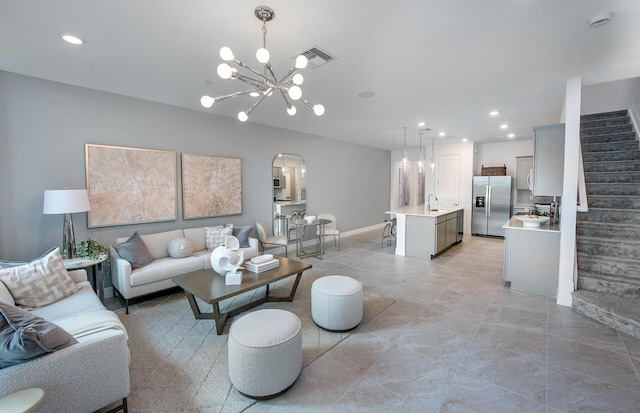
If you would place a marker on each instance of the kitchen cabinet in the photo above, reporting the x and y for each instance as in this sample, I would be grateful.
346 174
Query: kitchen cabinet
277 172
548 160
524 170
532 257
446 231
422 233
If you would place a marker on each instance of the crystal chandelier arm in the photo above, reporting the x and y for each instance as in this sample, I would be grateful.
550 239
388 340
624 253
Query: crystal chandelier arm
244 65
257 83
290 73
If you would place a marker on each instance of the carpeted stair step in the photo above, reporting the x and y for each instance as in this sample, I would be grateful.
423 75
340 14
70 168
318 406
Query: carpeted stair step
612 177
614 201
612 166
608 230
604 115
621 313
607 137
606 130
610 284
621 267
610 156
608 247
628 145
619 216
608 121
626 189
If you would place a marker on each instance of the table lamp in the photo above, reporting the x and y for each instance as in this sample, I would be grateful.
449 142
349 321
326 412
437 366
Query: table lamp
66 201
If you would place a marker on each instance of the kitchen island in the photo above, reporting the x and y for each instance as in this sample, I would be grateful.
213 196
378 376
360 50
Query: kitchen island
425 233
531 257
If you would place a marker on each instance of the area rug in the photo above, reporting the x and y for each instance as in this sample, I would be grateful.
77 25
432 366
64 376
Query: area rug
179 364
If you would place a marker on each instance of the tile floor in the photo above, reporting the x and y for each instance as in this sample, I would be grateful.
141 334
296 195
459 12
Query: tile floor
459 340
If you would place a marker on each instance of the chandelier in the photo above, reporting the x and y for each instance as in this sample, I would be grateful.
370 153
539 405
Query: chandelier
263 85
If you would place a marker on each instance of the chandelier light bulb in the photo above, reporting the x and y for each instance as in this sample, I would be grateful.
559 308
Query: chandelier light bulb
207 101
224 70
318 110
301 62
242 116
295 92
226 54
254 94
298 79
291 110
263 55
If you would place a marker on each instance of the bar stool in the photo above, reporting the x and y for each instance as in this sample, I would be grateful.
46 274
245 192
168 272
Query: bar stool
389 232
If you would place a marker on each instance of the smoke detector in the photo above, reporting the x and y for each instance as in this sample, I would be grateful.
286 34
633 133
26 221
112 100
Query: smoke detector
600 19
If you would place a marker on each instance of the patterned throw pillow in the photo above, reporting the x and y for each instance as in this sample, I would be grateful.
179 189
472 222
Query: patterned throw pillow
215 236
41 282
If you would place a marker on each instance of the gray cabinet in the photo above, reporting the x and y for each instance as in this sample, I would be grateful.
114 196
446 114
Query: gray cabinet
446 231
524 170
548 160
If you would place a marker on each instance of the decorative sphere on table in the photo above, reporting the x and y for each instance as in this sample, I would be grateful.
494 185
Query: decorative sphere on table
180 248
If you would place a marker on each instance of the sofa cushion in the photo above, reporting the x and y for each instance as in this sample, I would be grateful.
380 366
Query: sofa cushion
242 233
165 268
196 236
215 236
24 336
83 301
135 251
158 243
41 282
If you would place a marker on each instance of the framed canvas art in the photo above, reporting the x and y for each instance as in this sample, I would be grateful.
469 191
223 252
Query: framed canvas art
130 185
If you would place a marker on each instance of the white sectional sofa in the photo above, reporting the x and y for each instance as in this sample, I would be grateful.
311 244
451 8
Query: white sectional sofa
156 276
85 376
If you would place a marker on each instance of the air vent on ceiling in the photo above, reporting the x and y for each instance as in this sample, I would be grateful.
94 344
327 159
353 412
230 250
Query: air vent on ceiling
317 57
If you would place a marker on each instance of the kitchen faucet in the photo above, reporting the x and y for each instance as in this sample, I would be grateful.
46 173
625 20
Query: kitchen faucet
429 200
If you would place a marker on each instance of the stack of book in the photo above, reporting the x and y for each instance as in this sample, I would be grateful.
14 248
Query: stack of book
263 266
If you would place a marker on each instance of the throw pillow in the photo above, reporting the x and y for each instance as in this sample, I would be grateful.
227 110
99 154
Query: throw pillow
135 251
9 264
180 248
24 336
242 233
215 236
41 282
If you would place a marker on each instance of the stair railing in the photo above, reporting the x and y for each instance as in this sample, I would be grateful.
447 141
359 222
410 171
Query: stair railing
635 120
583 205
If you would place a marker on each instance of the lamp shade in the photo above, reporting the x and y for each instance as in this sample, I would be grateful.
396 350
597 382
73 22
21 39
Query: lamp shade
65 201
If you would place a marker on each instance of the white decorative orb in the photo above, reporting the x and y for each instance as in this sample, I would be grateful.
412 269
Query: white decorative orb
226 54
295 92
242 116
263 55
301 62
224 70
298 79
318 110
292 110
207 101
180 248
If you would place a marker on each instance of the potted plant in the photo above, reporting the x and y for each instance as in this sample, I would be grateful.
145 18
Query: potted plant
90 249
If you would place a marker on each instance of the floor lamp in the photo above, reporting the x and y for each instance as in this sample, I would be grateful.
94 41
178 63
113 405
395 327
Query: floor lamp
67 202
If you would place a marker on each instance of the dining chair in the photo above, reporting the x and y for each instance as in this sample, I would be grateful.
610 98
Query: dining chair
276 240
330 229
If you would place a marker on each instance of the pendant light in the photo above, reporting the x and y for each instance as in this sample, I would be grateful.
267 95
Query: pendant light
433 149
420 163
404 158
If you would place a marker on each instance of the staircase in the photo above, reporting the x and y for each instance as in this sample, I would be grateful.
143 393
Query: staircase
608 235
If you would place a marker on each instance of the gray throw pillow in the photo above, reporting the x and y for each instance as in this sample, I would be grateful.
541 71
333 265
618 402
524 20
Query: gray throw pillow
24 336
242 233
135 251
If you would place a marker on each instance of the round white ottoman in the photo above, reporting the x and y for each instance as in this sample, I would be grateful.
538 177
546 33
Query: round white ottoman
265 353
336 302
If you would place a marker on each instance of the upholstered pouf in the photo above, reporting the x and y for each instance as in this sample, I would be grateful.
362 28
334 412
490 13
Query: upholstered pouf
336 302
265 353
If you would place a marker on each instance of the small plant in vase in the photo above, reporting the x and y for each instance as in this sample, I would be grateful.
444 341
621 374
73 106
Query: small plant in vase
90 249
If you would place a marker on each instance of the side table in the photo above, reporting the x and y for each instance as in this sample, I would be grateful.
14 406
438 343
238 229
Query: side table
24 401
95 271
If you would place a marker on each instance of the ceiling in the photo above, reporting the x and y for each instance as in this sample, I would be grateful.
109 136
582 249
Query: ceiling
447 63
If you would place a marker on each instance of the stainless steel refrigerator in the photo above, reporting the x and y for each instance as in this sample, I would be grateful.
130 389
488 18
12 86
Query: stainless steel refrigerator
491 205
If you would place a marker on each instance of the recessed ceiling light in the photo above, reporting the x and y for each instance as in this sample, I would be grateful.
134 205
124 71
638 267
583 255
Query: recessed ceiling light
362 130
366 94
494 113
441 134
72 39
504 126
421 124
511 135
465 140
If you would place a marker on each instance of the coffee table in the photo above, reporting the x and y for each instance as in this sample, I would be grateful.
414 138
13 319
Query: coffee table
210 287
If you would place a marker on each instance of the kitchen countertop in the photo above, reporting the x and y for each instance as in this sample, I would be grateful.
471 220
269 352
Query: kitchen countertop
303 202
422 211
513 223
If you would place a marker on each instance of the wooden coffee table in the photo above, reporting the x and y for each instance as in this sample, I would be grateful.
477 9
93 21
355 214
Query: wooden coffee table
210 287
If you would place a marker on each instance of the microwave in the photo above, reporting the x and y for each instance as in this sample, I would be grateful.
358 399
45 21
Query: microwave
276 183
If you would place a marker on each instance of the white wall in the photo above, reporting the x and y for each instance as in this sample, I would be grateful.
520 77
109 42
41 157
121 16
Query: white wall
610 96
502 153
